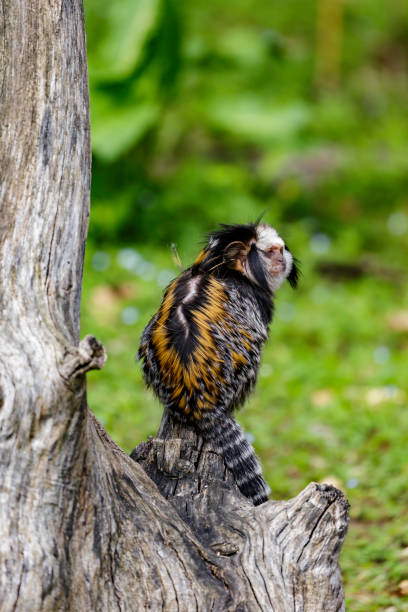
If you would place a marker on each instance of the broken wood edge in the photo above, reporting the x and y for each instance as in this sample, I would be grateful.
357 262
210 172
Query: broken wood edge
76 361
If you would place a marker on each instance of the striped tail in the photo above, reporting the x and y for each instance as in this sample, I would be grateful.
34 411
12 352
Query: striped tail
227 438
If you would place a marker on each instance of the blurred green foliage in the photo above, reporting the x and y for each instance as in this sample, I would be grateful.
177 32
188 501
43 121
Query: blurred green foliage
207 112
211 112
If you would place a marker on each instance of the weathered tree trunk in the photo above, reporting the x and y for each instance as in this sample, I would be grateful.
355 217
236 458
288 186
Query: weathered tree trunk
82 525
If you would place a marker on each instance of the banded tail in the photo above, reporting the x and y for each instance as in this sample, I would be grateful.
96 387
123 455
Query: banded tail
227 439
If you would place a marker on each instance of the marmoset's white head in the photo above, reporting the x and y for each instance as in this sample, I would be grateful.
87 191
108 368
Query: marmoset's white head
255 250
276 258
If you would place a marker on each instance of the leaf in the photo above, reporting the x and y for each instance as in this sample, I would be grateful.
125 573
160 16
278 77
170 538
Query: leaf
243 45
117 32
115 132
251 118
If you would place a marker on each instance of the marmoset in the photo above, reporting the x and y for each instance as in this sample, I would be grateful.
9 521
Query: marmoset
201 351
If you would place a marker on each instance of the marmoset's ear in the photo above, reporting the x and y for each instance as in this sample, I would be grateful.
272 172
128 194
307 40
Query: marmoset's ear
235 254
293 276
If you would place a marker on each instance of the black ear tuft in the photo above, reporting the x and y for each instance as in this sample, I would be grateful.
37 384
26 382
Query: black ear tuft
232 233
293 277
257 269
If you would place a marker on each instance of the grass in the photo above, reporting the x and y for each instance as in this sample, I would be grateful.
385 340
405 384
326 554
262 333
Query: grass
330 403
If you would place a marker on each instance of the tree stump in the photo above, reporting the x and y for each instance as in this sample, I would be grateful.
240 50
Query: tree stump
281 556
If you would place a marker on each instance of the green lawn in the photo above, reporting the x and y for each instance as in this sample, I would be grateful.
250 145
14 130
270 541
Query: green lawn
331 399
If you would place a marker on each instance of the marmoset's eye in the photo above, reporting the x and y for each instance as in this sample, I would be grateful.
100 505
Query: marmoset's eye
275 249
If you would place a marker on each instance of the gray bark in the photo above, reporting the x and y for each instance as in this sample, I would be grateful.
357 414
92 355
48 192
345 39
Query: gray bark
82 525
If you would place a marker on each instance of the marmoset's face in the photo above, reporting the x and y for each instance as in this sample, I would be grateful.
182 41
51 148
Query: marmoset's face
276 259
255 250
